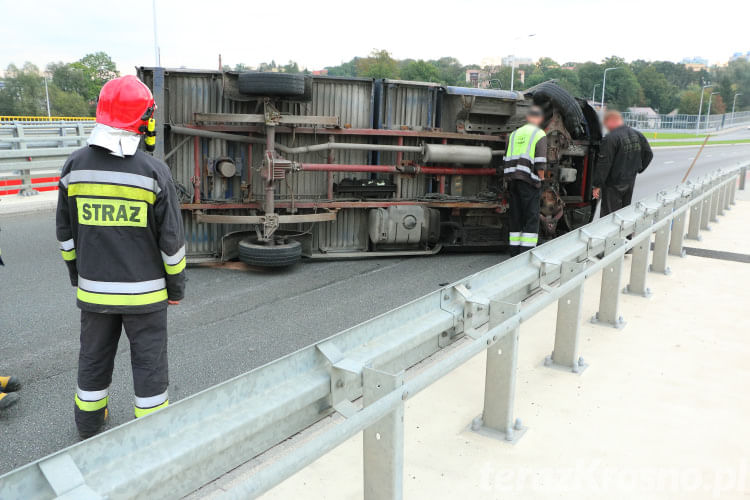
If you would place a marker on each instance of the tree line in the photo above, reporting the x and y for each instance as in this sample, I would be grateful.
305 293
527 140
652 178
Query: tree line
73 87
662 85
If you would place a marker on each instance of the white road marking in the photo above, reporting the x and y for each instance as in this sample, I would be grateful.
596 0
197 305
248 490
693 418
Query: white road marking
668 162
709 156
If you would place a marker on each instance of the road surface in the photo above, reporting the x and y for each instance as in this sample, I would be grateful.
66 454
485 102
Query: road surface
231 321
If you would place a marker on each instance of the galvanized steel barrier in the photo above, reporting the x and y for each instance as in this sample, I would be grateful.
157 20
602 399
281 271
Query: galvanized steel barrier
28 147
357 380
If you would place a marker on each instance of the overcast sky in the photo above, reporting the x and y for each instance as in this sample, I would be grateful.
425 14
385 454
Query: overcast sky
320 33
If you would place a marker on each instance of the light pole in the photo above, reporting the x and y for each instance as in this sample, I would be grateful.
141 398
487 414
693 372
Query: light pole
734 103
46 92
604 86
593 94
700 109
157 56
708 114
513 60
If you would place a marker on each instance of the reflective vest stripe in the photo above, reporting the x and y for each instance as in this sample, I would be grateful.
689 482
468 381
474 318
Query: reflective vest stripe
174 264
106 299
122 287
151 401
112 191
522 168
68 254
540 159
111 177
67 244
142 412
91 405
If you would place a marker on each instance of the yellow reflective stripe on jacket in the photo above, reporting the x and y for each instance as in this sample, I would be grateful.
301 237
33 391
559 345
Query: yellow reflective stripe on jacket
140 412
68 254
91 405
112 191
177 268
107 299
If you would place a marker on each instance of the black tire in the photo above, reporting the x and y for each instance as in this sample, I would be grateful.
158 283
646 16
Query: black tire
548 94
271 84
284 253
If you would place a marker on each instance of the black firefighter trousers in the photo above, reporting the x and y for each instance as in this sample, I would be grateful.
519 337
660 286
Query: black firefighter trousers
100 335
524 215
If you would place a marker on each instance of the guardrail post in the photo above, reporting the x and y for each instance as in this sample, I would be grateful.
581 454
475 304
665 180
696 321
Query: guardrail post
715 205
639 264
678 232
567 332
706 213
383 442
661 244
500 380
743 177
722 198
694 226
728 195
609 298
81 134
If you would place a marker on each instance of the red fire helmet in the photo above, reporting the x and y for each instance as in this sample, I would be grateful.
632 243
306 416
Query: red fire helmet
125 103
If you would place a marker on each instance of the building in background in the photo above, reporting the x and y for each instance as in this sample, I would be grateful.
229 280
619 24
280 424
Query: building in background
695 63
739 55
520 61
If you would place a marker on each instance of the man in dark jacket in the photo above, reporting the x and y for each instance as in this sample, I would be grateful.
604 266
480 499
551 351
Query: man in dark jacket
120 233
624 153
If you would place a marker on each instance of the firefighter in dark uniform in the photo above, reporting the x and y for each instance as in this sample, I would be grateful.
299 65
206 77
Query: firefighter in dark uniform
120 233
524 165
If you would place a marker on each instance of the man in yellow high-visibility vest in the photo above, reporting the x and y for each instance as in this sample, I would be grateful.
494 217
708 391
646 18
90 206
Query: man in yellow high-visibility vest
525 163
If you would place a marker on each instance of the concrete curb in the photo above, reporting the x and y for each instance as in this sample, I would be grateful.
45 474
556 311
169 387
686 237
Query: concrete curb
14 204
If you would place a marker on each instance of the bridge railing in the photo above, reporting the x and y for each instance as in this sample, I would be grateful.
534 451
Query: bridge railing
358 380
29 150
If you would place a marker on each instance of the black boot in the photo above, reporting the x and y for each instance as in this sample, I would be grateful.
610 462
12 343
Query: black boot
7 400
90 423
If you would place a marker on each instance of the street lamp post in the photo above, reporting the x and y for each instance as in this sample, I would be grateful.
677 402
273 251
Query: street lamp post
700 109
593 94
46 92
708 114
734 103
157 56
604 86
513 61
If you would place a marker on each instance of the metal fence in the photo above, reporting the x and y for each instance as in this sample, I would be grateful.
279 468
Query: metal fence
36 119
686 123
357 380
40 147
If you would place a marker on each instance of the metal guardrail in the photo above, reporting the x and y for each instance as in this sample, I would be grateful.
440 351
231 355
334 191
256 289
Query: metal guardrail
366 373
686 123
31 146
34 119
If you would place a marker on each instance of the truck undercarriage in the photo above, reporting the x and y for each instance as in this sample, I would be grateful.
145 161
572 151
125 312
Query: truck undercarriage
283 166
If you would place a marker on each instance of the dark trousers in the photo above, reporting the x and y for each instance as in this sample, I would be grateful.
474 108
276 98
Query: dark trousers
147 333
615 197
524 215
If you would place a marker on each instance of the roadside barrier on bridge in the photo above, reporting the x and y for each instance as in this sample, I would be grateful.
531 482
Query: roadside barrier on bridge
358 380
34 119
30 151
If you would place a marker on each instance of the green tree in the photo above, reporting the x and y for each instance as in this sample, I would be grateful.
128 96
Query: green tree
24 91
69 78
98 68
690 100
622 87
659 93
421 71
64 103
451 71
379 64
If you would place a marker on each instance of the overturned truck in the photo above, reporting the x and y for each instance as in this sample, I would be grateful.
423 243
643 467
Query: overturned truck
272 167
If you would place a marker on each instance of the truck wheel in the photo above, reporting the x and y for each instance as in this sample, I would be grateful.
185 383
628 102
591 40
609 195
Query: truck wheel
271 84
284 253
547 93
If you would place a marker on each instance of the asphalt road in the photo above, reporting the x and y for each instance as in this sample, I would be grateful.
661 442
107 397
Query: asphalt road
230 322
